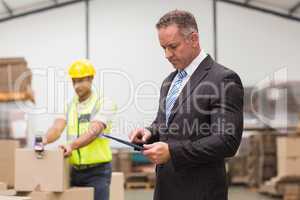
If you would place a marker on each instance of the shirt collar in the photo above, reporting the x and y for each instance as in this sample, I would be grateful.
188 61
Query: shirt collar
195 63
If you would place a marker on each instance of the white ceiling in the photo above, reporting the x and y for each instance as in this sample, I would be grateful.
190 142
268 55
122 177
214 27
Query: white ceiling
282 6
21 6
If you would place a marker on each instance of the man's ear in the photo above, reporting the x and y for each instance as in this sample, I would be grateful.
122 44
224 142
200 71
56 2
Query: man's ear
195 39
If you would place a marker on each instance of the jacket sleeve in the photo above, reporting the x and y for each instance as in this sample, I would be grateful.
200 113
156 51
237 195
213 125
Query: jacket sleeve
154 132
156 127
226 126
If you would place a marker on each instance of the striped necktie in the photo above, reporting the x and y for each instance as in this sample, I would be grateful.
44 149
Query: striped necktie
173 93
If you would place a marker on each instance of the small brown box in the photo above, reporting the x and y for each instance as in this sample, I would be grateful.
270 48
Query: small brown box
49 173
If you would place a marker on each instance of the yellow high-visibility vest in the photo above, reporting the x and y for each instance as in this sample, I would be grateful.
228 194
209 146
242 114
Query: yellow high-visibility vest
98 151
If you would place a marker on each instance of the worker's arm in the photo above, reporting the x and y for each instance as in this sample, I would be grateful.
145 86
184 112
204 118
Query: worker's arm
92 133
98 123
54 131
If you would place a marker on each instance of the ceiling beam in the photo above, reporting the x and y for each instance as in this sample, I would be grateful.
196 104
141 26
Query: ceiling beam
7 7
294 8
59 5
263 10
87 28
215 29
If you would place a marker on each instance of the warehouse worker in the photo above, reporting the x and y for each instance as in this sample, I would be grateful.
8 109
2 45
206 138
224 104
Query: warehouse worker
87 116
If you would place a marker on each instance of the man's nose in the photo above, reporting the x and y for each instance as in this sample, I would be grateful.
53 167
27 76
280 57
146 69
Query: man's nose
168 53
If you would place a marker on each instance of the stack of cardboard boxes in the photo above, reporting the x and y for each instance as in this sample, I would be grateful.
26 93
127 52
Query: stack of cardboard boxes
14 198
47 173
7 171
288 156
288 168
7 161
15 80
292 192
15 90
46 177
4 191
256 161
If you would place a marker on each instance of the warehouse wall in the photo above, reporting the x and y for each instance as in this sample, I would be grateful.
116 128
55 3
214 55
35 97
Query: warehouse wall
125 49
124 39
49 41
256 44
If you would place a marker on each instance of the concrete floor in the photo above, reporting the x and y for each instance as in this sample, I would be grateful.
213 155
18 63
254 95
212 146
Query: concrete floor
235 193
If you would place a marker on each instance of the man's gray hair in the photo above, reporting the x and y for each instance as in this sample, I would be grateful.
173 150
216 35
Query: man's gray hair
183 19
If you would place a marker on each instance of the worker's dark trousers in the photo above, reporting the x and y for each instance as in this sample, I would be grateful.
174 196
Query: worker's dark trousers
97 177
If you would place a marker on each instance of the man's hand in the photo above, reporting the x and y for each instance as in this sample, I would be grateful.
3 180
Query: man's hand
157 152
67 149
139 136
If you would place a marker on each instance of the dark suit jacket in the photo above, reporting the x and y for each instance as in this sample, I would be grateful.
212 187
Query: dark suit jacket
205 126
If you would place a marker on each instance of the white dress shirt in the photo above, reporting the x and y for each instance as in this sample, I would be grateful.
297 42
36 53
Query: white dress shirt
189 70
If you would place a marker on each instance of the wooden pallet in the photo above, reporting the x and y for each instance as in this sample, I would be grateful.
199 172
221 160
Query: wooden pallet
139 180
281 186
138 185
239 180
292 192
291 197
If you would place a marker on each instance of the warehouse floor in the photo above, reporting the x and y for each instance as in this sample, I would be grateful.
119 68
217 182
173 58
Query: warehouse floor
235 193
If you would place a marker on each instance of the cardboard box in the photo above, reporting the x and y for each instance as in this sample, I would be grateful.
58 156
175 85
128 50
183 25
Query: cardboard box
14 198
117 186
43 196
50 173
10 192
3 186
288 156
15 76
288 166
76 193
288 146
7 161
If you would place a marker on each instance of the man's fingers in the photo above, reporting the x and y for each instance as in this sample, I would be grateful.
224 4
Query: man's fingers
148 152
145 138
132 135
148 146
136 136
136 140
151 156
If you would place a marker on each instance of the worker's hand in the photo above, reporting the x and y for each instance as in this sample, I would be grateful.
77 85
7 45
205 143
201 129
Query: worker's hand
157 152
67 149
38 144
139 136
44 141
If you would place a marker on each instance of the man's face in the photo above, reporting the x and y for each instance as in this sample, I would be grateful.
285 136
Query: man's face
82 86
179 49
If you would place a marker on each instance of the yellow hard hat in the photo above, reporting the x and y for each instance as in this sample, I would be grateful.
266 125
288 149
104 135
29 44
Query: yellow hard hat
81 68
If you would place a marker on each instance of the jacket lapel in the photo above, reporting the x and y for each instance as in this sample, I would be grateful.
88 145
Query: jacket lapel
199 74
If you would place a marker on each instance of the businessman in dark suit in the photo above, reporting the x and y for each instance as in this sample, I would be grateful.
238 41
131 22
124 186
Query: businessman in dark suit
200 117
